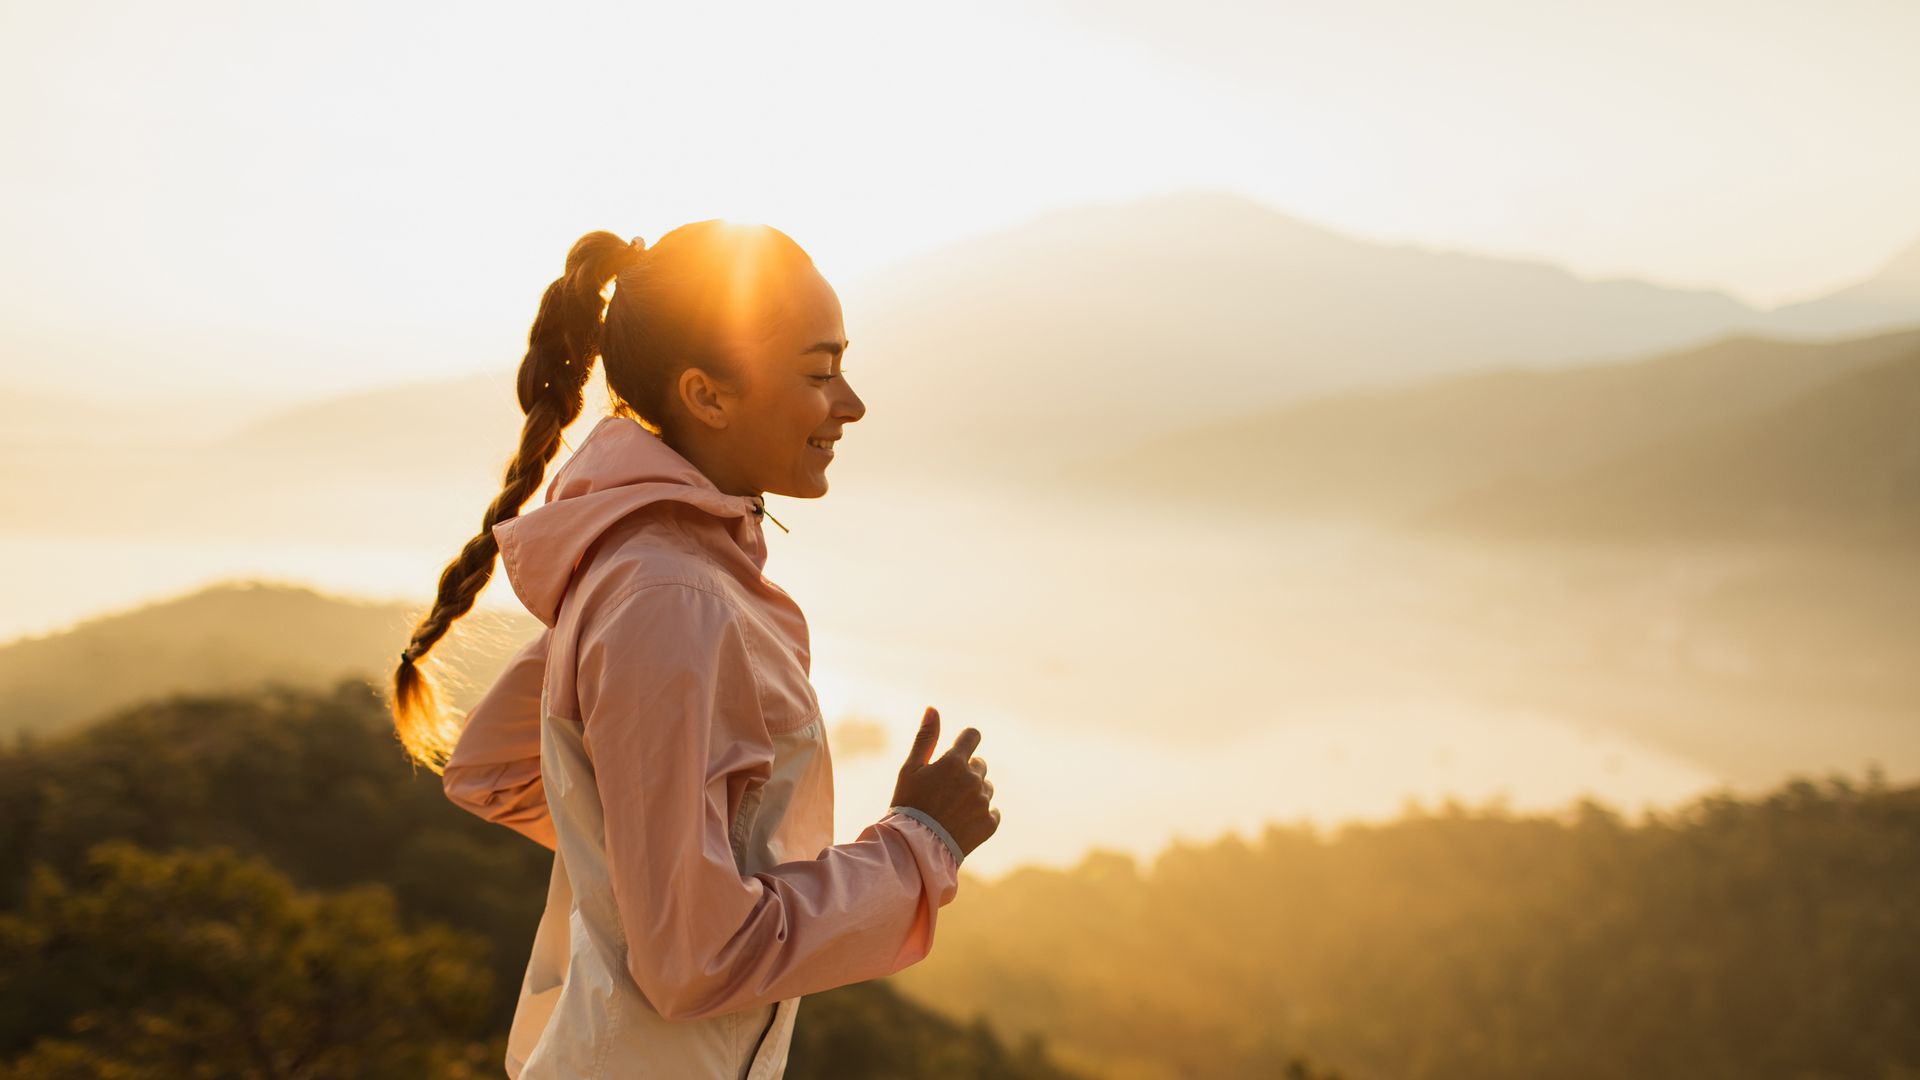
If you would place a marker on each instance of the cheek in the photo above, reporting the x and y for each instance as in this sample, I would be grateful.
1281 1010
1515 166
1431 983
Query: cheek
809 413
798 420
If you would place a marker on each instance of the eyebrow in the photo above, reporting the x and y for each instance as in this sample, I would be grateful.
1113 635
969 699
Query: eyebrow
831 348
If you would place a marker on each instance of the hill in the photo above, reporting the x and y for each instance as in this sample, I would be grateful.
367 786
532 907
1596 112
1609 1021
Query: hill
1770 935
228 638
1010 356
308 790
416 430
1388 455
982 360
1888 297
1839 463
1096 324
1760 935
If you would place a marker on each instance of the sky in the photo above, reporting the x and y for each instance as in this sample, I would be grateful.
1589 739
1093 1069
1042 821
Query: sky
213 197
211 201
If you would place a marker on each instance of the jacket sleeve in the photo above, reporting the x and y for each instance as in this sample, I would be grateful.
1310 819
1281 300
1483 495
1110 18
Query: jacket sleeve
673 725
494 770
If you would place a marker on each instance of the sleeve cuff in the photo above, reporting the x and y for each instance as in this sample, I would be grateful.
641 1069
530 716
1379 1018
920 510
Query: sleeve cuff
926 819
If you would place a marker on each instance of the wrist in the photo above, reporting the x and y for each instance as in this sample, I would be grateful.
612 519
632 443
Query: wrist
939 830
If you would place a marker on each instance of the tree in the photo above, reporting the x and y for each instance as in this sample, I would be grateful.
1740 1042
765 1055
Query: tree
210 964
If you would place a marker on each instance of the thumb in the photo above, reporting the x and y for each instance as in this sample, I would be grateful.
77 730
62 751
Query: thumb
926 738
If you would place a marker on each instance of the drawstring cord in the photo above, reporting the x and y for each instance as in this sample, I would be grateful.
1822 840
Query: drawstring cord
759 508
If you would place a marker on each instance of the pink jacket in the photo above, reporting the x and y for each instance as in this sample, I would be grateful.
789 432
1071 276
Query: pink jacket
662 736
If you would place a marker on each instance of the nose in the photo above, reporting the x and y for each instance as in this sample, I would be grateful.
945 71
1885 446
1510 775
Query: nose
850 407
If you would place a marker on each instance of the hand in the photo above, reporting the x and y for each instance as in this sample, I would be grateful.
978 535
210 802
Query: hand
953 788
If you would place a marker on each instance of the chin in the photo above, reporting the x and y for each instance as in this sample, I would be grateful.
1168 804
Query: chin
802 490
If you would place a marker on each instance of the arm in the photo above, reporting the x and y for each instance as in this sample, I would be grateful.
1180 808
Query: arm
494 770
673 724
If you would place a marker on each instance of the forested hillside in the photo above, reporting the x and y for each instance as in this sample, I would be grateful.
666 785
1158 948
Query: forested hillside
1738 938
233 637
260 885
1774 936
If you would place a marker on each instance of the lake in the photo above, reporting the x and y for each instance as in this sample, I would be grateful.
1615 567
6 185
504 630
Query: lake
1147 676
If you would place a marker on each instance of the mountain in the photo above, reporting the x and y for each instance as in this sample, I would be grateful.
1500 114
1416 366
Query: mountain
422 428
1386 454
1840 462
382 467
1097 325
1887 298
234 637
33 417
995 358
1001 359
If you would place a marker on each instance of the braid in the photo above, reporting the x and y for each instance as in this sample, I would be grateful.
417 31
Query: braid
561 348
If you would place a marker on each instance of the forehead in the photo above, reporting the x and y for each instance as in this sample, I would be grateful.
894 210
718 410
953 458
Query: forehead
810 311
791 318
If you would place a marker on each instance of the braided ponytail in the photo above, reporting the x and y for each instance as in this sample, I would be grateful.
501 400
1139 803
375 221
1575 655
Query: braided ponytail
561 347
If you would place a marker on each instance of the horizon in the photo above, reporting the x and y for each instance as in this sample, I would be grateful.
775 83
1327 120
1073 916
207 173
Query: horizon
321 187
268 402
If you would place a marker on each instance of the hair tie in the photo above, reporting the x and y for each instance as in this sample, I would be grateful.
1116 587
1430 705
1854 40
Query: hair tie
406 655
636 247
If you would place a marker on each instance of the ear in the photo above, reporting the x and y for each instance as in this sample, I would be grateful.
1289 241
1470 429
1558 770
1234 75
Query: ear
704 399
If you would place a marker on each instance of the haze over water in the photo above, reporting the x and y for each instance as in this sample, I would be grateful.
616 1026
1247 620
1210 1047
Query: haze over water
1138 676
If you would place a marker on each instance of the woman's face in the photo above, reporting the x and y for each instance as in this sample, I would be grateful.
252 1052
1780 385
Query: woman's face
795 394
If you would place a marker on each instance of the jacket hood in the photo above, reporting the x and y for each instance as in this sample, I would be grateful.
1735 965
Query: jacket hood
620 469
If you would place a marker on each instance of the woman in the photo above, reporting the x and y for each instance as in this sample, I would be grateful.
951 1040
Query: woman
660 733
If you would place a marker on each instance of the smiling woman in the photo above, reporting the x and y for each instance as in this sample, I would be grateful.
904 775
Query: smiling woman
766 423
661 734
714 341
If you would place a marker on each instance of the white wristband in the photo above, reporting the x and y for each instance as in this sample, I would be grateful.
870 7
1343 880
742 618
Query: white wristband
926 819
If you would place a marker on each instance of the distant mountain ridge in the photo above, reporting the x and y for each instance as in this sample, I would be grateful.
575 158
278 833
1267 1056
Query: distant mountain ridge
1886 298
1507 438
1841 462
1069 338
234 637
1098 326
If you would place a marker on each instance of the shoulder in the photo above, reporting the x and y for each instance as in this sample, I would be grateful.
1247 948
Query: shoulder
632 565
672 647
662 627
683 607
651 547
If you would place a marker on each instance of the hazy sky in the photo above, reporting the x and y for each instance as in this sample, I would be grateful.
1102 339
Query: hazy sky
223 195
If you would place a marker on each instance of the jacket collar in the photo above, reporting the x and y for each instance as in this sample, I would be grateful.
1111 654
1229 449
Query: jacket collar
620 469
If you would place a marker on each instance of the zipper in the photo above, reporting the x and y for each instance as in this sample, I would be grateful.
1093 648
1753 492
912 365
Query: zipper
762 1040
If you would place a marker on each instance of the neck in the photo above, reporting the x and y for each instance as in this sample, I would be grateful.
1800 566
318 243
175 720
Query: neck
714 469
